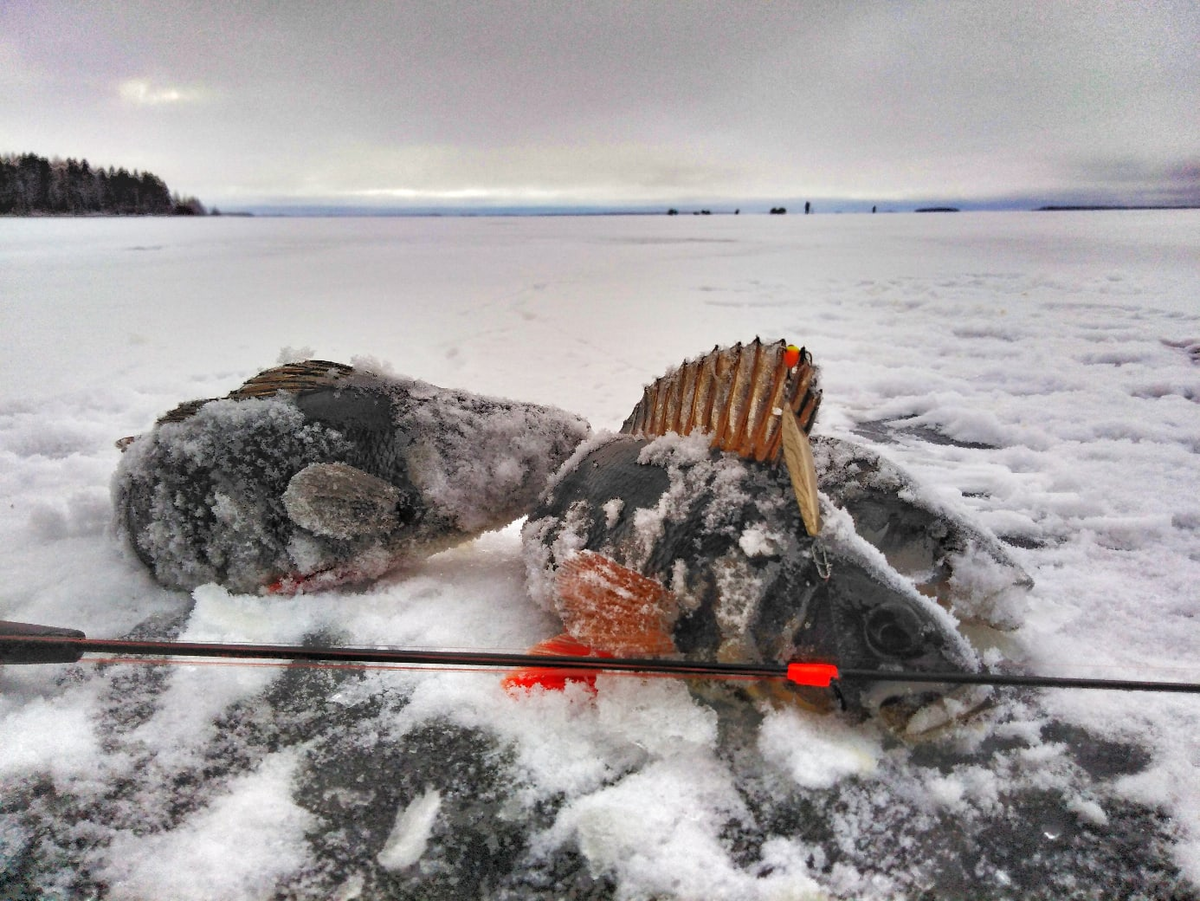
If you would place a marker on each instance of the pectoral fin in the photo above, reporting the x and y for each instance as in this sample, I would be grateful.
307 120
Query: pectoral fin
340 501
613 609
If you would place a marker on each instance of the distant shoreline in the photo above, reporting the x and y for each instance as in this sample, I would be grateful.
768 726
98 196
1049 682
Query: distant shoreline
318 212
1093 209
32 185
301 212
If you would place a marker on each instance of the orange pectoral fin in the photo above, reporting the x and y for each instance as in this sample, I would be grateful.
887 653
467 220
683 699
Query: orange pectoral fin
610 607
548 677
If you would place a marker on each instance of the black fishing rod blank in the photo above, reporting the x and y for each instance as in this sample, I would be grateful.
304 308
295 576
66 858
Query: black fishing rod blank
1004 679
23 643
27 643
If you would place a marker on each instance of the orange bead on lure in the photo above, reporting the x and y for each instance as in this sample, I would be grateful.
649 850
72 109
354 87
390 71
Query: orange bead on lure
791 355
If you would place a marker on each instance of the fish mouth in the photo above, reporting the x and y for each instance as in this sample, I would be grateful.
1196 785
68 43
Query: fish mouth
916 716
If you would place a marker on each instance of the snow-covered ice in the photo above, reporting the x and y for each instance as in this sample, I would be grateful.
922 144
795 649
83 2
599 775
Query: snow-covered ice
1036 370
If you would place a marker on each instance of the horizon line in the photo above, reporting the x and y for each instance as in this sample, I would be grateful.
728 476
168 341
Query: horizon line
320 209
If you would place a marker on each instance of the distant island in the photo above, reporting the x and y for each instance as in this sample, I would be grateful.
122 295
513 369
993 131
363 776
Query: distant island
32 185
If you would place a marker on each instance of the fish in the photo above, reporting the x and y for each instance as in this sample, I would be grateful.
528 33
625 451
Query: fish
316 474
948 556
689 534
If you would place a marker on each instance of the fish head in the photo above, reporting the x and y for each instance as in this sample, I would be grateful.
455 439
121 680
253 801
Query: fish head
844 604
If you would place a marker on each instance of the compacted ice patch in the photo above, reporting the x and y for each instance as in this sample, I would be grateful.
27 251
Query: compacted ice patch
410 836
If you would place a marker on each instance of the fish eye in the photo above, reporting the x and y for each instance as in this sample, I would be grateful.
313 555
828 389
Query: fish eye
893 631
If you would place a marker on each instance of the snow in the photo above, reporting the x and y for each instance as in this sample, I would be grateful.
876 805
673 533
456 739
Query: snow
1036 371
816 752
410 835
244 841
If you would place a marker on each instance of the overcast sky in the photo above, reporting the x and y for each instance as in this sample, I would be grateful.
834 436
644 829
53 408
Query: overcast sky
615 103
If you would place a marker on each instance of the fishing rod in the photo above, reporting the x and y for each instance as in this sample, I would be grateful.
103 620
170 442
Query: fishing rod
25 643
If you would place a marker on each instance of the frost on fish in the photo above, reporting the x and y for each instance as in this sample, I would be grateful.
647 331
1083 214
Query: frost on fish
723 538
949 558
710 496
313 474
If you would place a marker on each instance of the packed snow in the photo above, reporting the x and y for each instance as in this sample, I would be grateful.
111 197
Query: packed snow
1036 371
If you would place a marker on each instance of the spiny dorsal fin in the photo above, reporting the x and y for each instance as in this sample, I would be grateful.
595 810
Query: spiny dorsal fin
185 410
736 394
303 376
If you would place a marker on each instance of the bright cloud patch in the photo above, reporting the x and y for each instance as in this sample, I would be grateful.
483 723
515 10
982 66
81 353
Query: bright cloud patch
139 92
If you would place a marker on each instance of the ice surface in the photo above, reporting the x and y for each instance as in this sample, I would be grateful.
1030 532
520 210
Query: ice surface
1035 370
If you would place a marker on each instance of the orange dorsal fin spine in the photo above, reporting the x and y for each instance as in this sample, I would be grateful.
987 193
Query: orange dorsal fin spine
736 394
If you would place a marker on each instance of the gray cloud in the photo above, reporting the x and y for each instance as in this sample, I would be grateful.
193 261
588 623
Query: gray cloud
1138 181
586 101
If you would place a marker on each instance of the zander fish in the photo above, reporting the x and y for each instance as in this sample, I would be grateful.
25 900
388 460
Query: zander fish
314 474
683 536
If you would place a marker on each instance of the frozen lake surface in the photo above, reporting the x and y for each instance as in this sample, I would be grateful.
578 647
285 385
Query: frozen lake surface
1040 371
